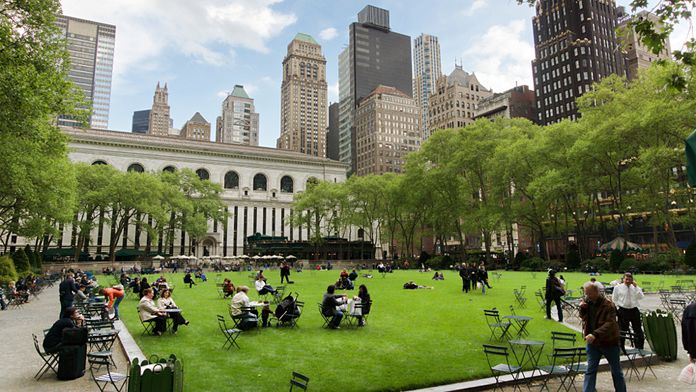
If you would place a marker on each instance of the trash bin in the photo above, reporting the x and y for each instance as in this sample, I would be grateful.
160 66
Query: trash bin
156 375
661 334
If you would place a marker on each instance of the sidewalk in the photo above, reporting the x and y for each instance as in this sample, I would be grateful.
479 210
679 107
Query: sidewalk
667 372
20 362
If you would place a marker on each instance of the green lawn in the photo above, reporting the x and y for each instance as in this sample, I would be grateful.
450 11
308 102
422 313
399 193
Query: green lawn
414 338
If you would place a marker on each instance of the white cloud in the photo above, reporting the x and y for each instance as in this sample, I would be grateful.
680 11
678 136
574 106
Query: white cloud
502 56
475 6
222 94
333 92
205 30
328 34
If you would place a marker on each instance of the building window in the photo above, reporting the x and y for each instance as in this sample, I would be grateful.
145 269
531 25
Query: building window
169 169
231 180
100 162
203 174
136 167
286 184
260 182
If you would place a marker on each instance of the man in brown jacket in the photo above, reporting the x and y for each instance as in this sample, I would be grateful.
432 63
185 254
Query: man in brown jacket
601 331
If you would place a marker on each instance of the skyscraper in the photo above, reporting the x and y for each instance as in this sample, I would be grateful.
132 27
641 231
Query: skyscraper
303 106
91 49
637 56
427 69
239 122
345 107
140 123
375 56
381 145
332 132
575 46
454 102
158 122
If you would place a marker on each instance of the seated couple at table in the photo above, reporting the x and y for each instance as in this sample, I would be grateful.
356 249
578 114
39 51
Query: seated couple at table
158 314
333 305
243 310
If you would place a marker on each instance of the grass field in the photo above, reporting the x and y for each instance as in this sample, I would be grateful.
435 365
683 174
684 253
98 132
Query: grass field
414 338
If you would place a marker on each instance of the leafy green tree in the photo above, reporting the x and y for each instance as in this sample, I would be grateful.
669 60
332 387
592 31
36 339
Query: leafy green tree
21 262
7 270
37 184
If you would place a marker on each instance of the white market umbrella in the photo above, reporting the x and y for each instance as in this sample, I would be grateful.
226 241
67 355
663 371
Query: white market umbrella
290 257
158 257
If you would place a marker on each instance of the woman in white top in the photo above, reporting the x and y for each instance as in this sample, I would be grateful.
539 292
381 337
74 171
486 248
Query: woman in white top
166 302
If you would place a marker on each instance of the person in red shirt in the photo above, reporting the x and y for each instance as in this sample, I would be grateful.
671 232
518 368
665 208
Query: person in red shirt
115 296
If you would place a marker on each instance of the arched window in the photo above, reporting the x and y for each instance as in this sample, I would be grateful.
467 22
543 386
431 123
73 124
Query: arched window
260 182
286 184
99 162
203 174
231 180
136 167
169 169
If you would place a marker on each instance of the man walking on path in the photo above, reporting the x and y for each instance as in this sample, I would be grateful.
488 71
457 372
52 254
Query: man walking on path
601 333
66 292
626 296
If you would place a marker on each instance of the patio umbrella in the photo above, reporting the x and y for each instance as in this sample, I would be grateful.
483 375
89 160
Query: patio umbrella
243 257
290 257
255 257
619 243
158 257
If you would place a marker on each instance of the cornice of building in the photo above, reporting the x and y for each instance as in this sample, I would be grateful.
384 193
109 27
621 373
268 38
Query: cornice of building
187 146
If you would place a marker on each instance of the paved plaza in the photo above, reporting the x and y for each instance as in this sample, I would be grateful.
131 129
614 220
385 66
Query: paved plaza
20 361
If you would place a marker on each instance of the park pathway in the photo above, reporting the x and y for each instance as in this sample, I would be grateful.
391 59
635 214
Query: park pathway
20 361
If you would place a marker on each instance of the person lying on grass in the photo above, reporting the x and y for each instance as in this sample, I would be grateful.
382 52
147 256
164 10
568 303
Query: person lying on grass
410 285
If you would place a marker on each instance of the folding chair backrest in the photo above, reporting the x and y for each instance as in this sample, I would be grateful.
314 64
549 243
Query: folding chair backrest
561 355
512 310
36 344
627 335
492 315
563 337
299 380
495 351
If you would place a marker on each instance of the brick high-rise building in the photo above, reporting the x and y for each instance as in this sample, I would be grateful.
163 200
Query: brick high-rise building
517 102
454 102
197 128
239 122
91 49
375 56
575 45
304 100
427 69
637 56
158 123
386 129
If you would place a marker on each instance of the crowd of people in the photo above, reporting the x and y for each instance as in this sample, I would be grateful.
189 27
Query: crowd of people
474 277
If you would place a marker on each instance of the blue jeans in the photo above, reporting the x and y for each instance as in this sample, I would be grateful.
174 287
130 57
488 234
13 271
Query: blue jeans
116 303
594 354
336 320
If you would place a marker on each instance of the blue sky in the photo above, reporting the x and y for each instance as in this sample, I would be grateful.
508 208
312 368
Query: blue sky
203 48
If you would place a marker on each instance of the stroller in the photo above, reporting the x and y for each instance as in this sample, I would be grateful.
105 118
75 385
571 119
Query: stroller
289 310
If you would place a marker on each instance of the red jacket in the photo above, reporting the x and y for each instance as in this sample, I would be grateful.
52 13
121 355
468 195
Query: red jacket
112 293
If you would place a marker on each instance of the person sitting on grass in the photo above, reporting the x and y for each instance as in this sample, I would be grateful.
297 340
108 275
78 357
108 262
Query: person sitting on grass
353 275
228 287
166 302
149 313
189 280
330 306
410 285
262 287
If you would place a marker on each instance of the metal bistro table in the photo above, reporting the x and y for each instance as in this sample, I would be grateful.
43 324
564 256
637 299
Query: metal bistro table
520 323
170 320
531 352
